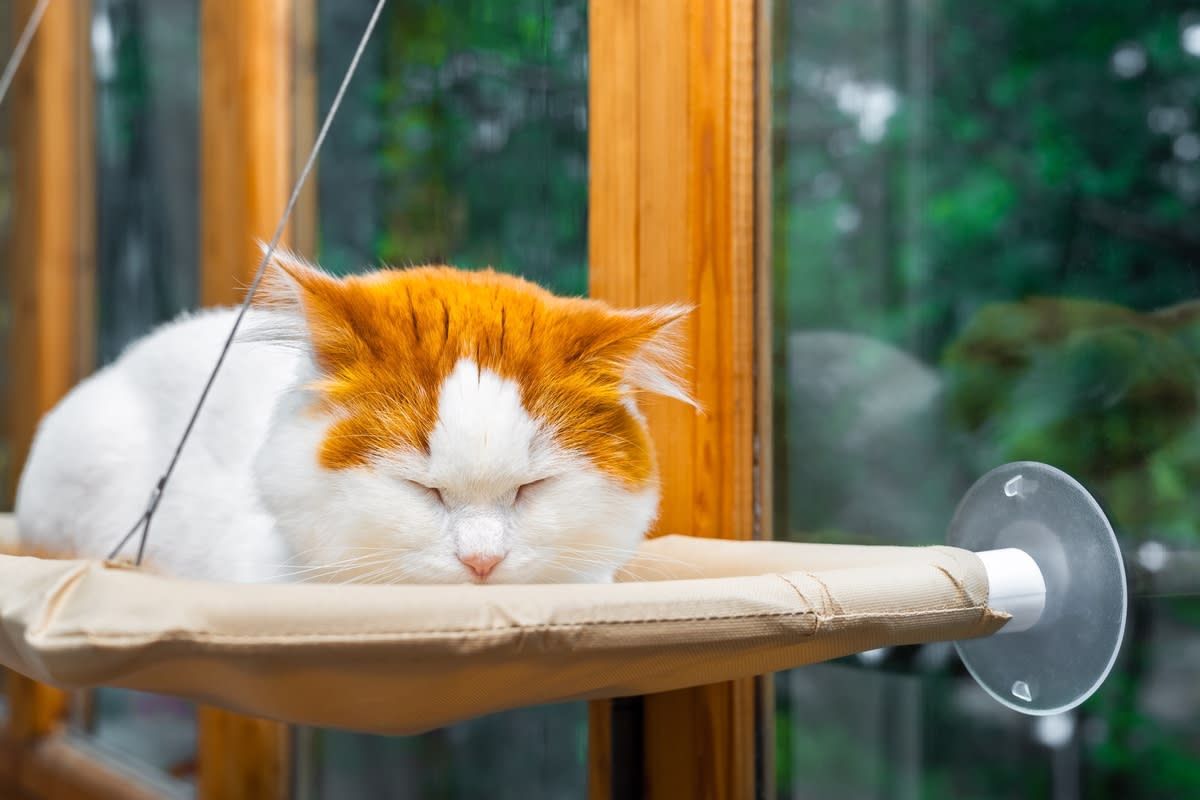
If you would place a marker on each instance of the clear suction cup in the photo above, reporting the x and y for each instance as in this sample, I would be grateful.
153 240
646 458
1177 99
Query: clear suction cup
1069 605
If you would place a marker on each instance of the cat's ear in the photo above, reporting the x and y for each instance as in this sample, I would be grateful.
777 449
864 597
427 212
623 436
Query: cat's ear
292 285
299 294
647 346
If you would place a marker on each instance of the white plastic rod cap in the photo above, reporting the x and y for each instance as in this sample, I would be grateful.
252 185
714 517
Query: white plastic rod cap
1015 586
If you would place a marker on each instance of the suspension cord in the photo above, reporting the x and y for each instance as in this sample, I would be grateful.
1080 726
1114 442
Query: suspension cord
143 522
22 45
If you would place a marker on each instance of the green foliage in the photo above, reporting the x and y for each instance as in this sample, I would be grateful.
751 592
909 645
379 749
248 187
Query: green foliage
1092 388
1004 191
481 150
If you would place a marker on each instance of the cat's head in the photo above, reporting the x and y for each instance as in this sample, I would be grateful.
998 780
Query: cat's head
460 426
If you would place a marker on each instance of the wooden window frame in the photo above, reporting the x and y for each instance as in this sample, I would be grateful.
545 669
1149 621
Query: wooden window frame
258 111
677 132
678 123
258 115
51 279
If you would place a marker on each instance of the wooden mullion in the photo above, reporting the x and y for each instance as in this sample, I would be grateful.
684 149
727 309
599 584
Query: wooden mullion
34 709
246 152
612 235
674 137
50 271
50 253
50 268
613 151
305 88
258 92
241 758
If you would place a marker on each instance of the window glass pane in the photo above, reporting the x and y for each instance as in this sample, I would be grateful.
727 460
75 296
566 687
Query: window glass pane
147 72
146 67
531 752
983 253
155 731
463 140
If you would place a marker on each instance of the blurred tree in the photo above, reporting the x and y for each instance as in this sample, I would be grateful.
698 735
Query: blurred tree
1004 191
477 143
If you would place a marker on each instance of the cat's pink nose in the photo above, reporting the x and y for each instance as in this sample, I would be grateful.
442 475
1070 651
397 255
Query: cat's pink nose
482 565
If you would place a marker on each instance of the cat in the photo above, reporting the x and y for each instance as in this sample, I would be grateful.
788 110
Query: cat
425 425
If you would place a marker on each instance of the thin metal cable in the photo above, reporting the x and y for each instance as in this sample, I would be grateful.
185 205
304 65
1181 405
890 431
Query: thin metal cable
18 53
156 496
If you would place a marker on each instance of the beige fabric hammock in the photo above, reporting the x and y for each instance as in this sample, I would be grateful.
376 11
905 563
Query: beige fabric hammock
404 659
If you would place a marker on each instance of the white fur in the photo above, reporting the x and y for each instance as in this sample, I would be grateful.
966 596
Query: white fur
249 501
97 455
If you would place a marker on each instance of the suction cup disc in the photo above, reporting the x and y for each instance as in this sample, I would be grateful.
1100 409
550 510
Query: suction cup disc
1065 656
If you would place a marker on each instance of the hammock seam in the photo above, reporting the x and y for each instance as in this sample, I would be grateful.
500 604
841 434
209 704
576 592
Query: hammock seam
66 641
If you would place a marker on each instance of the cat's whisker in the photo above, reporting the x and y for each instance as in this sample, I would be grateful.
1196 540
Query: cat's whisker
325 564
390 574
347 549
333 569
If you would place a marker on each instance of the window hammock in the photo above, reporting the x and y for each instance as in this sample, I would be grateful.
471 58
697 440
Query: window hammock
408 658
404 659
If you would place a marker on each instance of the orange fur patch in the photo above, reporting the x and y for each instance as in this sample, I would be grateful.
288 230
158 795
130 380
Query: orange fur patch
386 341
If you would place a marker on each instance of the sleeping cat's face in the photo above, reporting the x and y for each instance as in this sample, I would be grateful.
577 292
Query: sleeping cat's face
461 427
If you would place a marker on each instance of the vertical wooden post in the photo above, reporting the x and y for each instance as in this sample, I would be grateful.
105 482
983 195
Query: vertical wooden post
246 60
305 94
241 758
253 97
672 218
49 263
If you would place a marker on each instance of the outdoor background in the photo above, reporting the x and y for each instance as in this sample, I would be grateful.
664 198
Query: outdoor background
983 251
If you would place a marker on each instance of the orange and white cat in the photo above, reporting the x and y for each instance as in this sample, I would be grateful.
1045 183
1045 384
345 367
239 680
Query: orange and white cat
424 425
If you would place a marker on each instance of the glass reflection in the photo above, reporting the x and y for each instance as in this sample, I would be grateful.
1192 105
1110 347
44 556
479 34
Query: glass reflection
982 254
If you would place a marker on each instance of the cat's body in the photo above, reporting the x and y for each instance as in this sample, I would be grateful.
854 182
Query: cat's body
99 453
423 425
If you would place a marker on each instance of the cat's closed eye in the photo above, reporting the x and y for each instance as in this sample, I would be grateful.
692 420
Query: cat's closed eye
525 490
432 491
